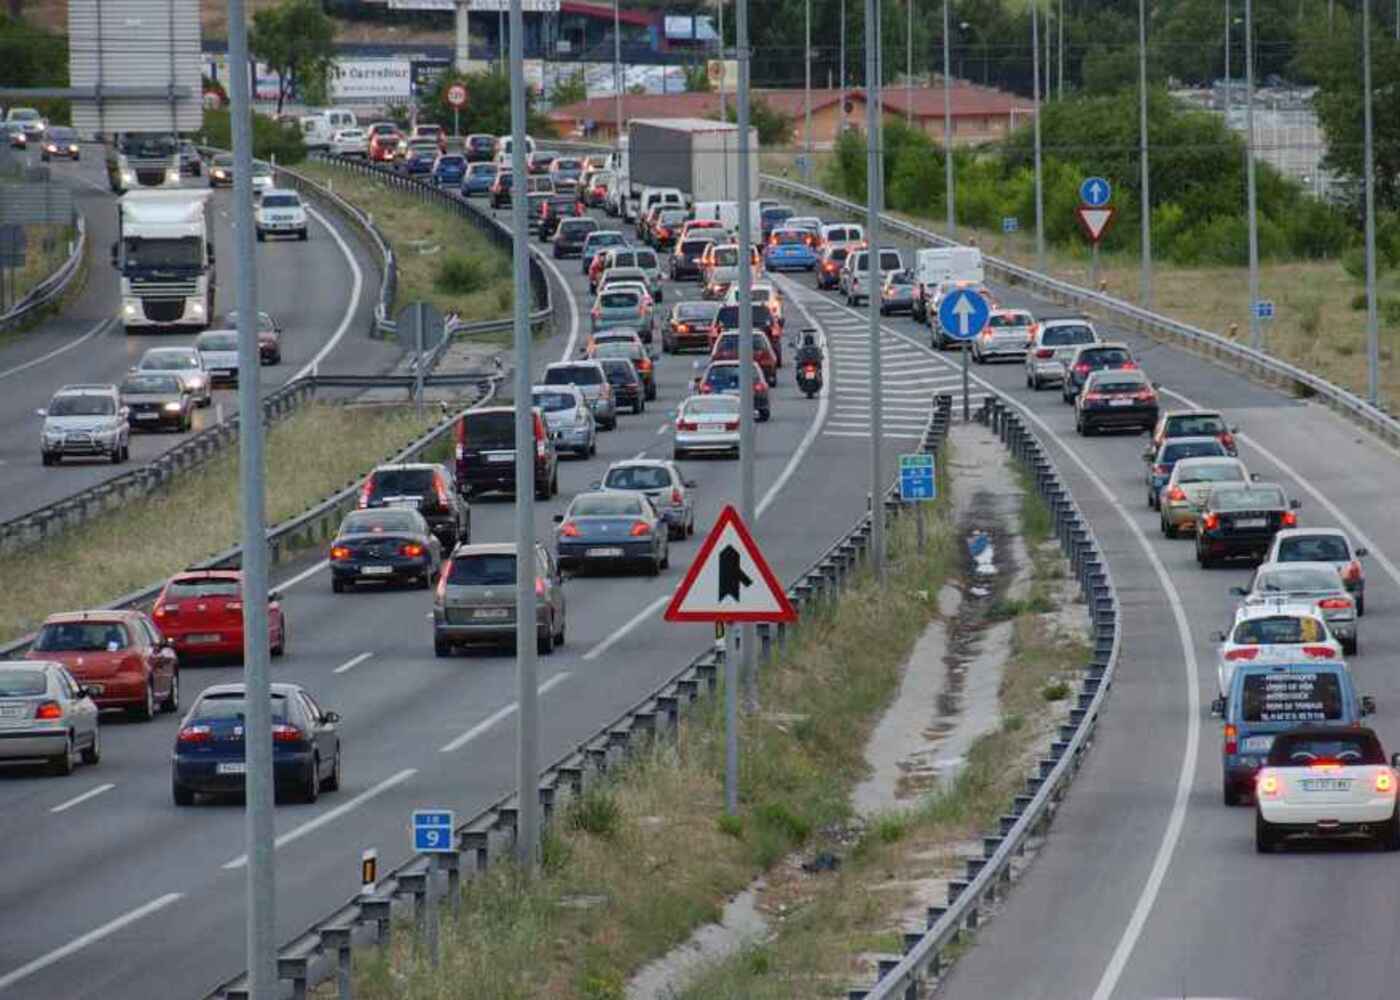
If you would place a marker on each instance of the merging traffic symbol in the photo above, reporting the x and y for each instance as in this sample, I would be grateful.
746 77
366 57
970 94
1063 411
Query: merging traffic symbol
730 581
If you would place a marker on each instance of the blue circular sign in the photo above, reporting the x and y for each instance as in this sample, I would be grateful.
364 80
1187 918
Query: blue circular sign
1095 192
963 314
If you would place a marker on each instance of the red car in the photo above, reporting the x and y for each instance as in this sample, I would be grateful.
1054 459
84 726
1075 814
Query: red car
202 613
384 144
121 657
724 346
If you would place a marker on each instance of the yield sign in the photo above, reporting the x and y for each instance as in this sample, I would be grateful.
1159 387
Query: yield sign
1095 221
730 581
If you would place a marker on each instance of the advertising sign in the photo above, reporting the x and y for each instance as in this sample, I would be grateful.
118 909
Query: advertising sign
371 80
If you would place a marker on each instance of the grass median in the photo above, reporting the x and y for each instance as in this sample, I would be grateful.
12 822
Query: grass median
198 515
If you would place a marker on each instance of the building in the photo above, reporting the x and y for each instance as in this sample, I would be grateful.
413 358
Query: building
979 114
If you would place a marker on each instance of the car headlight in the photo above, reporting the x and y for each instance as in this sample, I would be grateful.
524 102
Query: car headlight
171 407
172 176
196 308
196 381
128 177
131 308
73 148
53 434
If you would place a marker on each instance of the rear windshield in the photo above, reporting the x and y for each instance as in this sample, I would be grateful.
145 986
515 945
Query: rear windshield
1210 472
646 259
619 300
726 256
728 316
624 258
696 310
81 637
838 234
839 253
573 226
1119 383
217 342
365 522
490 430
403 482
169 360
281 201
1105 356
620 371
889 260
693 248
774 215
1283 581
1009 319
1193 425
553 402
638 477
1317 548
1305 749
1193 449
208 587
723 377
1059 336
572 375
136 384
606 239
22 683
1278 629
486 569
605 505
1255 498
234 706
789 236
713 405
1289 696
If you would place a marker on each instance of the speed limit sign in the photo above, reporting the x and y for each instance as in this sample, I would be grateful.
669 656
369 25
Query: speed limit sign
457 96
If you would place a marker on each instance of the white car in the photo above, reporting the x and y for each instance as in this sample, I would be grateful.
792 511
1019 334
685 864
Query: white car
1326 782
1055 341
280 213
350 142
761 291
1274 632
707 424
1007 334
184 362
261 179
1315 583
1331 545
218 350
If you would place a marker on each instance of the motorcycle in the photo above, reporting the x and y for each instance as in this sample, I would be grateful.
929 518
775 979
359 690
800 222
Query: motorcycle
809 378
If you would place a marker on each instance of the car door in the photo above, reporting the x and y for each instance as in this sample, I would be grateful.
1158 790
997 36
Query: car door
160 655
80 708
554 589
323 733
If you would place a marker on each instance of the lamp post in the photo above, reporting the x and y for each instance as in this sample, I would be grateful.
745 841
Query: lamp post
1039 186
1255 328
1145 209
1368 156
952 222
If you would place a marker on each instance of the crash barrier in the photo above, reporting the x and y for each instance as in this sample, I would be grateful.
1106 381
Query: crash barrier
988 877
52 288
314 526
1256 364
425 881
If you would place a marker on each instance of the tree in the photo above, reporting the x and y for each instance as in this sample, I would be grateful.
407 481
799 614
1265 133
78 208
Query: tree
488 104
697 78
570 90
297 42
33 57
272 139
773 126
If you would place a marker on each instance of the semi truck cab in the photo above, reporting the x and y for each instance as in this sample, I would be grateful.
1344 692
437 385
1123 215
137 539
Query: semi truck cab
164 254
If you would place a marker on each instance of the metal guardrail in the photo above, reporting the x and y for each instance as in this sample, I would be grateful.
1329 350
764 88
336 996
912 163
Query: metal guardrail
319 522
1254 363
51 288
989 876
489 834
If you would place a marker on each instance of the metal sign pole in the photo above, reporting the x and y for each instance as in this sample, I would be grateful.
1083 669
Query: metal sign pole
872 224
952 222
1039 175
966 400
731 719
1094 267
746 362
421 319
1145 201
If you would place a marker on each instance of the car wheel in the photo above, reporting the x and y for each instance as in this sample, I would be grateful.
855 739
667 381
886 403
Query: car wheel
1167 530
690 526
441 647
677 454
281 646
1360 605
637 407
47 458
1231 794
92 754
425 580
332 782
171 703
61 764
545 643
116 456
337 585
262 236
1351 646
666 558
311 787
301 236
1265 839
182 795
146 711
1151 500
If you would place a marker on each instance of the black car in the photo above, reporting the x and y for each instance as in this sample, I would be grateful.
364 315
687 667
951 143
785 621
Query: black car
1092 358
486 452
569 237
626 383
191 163
553 210
685 258
1240 520
688 326
59 141
1114 399
384 545
764 321
427 488
480 148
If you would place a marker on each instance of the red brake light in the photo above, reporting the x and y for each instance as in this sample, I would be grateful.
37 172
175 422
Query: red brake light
365 491
284 733
1232 739
1334 603
1045 352
1176 493
441 488
686 425
568 529
1082 368
412 549
1385 781
48 710
1267 786
233 606
539 586
195 734
1212 522
1126 365
1318 652
732 425
1162 470
1290 519
1145 396
1227 439
1093 397
339 552
1248 653
809 370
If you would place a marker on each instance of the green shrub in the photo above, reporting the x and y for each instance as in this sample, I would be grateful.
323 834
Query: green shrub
730 826
1057 691
462 274
596 812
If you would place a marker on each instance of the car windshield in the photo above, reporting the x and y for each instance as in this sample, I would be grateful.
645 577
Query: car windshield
839 253
281 201
783 236
265 324
646 260
1195 425
617 349
1306 749
23 115
638 477
1119 383
1291 696
1285 629
217 342
902 278
726 256
82 637
233 706
1313 548
174 251
1250 498
483 569
1284 581
1210 472
490 430
22 683
373 522
150 384
573 375
607 239
1191 449
553 402
728 316
605 505
402 482
196 586
169 360
82 406
1060 336
223 160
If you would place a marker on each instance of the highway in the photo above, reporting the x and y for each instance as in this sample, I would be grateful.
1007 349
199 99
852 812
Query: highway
322 292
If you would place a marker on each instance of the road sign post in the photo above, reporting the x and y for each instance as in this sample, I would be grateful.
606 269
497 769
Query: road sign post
1264 309
917 485
962 316
432 834
1094 220
456 97
422 324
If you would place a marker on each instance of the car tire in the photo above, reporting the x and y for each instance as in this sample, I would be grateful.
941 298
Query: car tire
281 646
544 644
61 764
311 787
93 754
1167 530
666 559
171 704
332 781
183 796
1389 837
653 567
1350 648
1231 794
677 454
47 458
262 236
146 711
441 647
1265 840
1151 500
337 585
302 236
637 407
1360 605
116 456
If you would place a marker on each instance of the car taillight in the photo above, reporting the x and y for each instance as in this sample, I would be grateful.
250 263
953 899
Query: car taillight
706 388
810 371
48 710
195 734
162 610
1248 653
1045 352
683 328
233 606
365 492
595 312
1176 493
1290 519
568 529
411 549
1353 571
1128 366
1227 439
686 425
339 552
1162 470
1093 397
1267 787
1082 368
1385 782
1317 652
1145 396
1334 603
1212 522
284 733
732 425
1232 739
441 488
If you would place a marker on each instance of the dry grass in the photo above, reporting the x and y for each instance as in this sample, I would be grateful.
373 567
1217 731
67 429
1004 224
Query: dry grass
133 547
47 250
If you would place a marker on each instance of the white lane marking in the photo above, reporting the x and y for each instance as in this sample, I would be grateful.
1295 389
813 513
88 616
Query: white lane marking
663 429
331 814
502 713
640 454
866 435
354 302
568 353
805 445
351 664
99 328
91 937
305 574
91 793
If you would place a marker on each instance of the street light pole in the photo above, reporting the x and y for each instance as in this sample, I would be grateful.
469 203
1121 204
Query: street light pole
1255 327
1368 156
807 98
617 87
1145 208
1060 44
874 182
1227 63
909 63
843 65
723 113
1039 189
952 222
746 414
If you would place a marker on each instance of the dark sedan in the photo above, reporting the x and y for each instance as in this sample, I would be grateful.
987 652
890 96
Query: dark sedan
555 209
626 383
210 753
610 530
392 544
157 401
688 327
60 141
571 235
480 148
685 258
1092 358
1115 399
1241 521
426 487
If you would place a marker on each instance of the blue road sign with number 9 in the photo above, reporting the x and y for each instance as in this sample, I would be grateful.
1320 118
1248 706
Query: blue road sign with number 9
916 478
432 831
1095 192
963 313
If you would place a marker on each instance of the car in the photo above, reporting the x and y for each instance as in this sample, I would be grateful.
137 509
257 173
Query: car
501 187
571 235
280 213
1092 358
827 273
535 201
121 657
568 417
763 292
475 599
1330 545
565 171
897 293
666 227
30 122
1186 488
789 249
706 424
85 420
722 378
221 170
596 243
1241 520
1327 783
427 132
480 148
384 545
593 187
210 752
191 160
45 714
708 229
857 280
13 133
262 179
592 382
626 383
726 348
427 487
1056 340
639 257
684 259
772 218
184 362
486 452
539 161
59 141
1160 461
765 320
419 157
478 179
448 168
1273 632
269 336
383 145
635 353
201 612
809 224
156 401
218 351
1196 423
602 529
661 482
553 210
688 326
1008 334
841 234
1113 399
621 307
1315 583
539 184
720 269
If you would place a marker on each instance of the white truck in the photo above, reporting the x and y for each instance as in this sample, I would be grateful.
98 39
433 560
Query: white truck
696 155
936 266
164 254
137 160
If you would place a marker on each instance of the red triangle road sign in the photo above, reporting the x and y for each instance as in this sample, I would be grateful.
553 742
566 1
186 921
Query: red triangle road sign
730 581
1095 221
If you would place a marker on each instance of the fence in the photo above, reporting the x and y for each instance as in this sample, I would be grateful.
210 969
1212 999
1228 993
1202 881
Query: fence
52 288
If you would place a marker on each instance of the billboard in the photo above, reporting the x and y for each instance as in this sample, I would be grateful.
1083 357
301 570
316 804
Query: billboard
371 80
150 45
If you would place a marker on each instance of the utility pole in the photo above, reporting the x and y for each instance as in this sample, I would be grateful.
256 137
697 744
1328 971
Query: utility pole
952 222
843 65
617 86
723 113
909 63
259 828
1227 63
807 98
1255 327
1368 155
1039 177
1145 280
527 755
874 182
1060 44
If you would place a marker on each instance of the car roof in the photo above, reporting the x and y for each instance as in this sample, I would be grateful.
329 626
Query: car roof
583 363
236 687
484 549
96 615
1301 532
85 388
171 349
1100 345
1194 439
209 574
1167 414
1273 609
405 467
659 463
1310 564
568 387
276 190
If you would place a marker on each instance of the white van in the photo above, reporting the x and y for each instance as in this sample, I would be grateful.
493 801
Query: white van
505 147
726 213
842 233
318 127
652 196
939 265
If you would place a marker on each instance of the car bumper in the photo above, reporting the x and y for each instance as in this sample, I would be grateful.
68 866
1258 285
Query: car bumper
1327 820
604 552
690 341
996 347
95 447
369 570
790 262
487 631
1226 546
156 420
209 643
695 441
115 692
574 439
1119 416
289 770
604 410
32 742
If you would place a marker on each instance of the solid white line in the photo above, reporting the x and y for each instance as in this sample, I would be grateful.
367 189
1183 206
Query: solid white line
865 434
351 664
625 629
305 574
497 716
663 429
91 793
640 454
356 284
99 328
91 937
569 345
331 814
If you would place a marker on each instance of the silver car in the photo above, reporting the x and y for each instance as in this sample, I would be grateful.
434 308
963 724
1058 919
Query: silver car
592 381
1007 335
1317 583
897 295
218 350
1053 347
662 483
475 603
184 362
623 304
706 425
568 418
1329 545
85 420
46 715
638 257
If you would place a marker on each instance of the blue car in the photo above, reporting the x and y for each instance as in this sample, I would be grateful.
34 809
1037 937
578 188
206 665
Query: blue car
450 168
1173 450
478 179
210 758
789 250
610 530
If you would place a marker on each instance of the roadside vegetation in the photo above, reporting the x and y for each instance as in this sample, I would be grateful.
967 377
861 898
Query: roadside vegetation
47 250
198 515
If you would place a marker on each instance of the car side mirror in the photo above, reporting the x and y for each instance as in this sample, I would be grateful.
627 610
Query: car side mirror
1254 477
1234 430
1217 637
1368 705
210 248
1295 504
689 484
275 595
1217 708
331 717
1362 552
41 412
1239 591
558 518
597 484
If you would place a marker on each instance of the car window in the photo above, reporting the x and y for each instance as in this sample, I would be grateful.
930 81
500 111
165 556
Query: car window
553 402
1193 449
696 310
1304 750
889 260
1118 382
1060 336
712 406
82 637
281 201
624 258
1105 356
646 260
638 477
572 375
231 705
1252 498
723 376
605 505
1210 472
1274 629
79 405
483 569
491 430
363 522
619 371
22 683
402 482
216 342
1291 696
192 587
619 300
1282 581
726 256
1313 548
169 360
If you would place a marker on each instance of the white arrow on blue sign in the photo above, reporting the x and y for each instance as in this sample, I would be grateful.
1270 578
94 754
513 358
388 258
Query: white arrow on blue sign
1095 192
1264 309
963 314
432 831
916 478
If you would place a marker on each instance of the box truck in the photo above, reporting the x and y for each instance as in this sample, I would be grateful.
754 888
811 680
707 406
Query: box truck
696 155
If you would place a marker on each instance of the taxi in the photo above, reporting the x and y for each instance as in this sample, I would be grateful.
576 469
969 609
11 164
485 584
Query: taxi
1274 632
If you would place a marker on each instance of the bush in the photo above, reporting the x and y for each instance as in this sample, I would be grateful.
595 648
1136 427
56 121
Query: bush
596 812
272 140
462 274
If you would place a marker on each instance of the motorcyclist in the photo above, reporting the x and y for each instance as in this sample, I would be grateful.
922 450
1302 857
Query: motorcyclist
809 352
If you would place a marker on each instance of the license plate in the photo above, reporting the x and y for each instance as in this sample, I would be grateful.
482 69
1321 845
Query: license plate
11 711
1258 744
146 416
222 371
376 570
609 551
1120 402
503 457
1251 522
1326 784
232 767
491 613
712 428
201 638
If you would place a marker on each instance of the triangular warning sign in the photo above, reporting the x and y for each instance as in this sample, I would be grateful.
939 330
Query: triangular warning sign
730 581
1095 221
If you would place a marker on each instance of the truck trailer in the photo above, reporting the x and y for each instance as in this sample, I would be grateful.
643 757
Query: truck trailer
164 254
698 156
